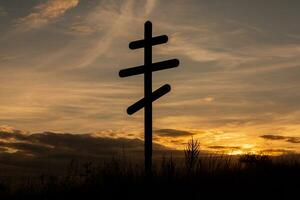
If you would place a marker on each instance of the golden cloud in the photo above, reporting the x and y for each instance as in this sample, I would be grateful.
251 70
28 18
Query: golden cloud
46 12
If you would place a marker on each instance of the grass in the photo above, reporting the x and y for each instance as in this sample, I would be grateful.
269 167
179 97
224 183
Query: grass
193 177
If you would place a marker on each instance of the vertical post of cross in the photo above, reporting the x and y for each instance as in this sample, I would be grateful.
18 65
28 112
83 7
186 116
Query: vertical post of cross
148 98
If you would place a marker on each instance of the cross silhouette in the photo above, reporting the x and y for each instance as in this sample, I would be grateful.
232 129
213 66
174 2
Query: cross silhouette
149 96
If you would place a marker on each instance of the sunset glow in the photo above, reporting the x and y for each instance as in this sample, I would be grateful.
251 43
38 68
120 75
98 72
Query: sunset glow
237 89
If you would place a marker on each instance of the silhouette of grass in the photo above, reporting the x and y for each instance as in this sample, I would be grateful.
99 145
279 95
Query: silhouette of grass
192 154
195 176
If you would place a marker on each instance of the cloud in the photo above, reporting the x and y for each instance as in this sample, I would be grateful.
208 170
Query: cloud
37 152
218 147
289 139
93 97
244 25
80 29
198 52
112 20
50 144
207 99
46 13
273 137
294 140
172 133
2 12
107 22
6 129
280 151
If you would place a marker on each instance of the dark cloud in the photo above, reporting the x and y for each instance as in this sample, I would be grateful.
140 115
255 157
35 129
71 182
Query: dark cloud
289 139
41 151
41 144
2 149
293 140
16 134
48 152
53 151
284 151
217 147
273 137
172 133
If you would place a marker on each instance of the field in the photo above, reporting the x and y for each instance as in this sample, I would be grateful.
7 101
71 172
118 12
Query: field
192 176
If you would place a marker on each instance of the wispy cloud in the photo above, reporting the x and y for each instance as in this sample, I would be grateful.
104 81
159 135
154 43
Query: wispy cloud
233 76
277 151
172 133
112 21
247 26
108 21
187 47
150 5
218 147
45 13
7 57
2 12
80 29
289 139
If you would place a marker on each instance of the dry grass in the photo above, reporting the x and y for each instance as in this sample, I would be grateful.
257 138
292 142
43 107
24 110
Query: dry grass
195 176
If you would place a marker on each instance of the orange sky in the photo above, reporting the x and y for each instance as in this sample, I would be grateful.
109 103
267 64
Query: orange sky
236 89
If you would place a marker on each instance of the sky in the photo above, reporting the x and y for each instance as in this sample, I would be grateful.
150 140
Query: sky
237 88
